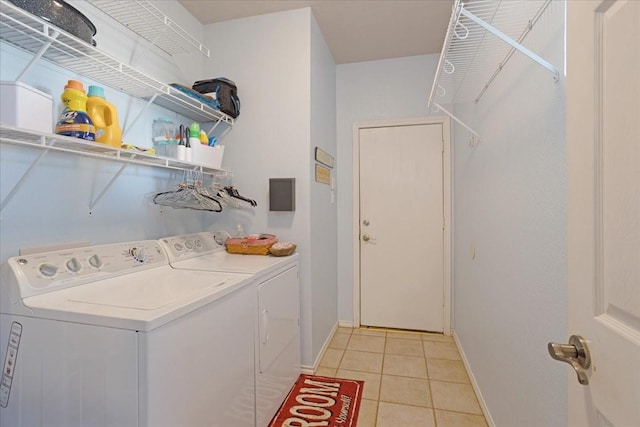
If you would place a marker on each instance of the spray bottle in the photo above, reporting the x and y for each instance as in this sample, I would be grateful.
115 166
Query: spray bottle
194 138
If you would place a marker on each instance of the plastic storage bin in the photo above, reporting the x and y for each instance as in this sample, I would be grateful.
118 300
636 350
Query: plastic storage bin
207 156
166 149
26 107
163 134
163 131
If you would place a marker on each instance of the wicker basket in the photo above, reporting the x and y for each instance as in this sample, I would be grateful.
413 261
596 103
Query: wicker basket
259 246
282 252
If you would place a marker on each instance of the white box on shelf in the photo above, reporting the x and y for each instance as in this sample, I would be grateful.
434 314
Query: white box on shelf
207 156
26 107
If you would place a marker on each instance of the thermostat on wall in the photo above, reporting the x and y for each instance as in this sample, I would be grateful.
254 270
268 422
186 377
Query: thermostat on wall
282 194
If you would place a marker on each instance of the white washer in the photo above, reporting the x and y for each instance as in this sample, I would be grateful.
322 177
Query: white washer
113 336
277 315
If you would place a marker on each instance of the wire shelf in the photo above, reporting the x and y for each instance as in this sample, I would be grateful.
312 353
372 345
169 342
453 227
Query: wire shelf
49 142
23 137
481 38
38 37
150 23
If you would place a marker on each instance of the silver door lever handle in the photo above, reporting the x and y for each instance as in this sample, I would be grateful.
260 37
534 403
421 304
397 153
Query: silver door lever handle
576 354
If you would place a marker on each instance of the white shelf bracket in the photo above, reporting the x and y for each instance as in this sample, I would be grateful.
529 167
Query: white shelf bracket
127 126
215 125
93 203
512 43
38 55
460 122
224 133
18 184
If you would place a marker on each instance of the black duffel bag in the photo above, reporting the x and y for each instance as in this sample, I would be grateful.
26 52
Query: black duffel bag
224 91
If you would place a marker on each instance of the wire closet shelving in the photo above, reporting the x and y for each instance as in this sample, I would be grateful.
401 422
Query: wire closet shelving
481 38
43 40
146 20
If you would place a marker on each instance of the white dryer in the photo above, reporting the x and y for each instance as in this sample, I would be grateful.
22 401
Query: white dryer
113 336
277 316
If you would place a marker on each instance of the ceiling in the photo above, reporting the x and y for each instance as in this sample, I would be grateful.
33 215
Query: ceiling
355 30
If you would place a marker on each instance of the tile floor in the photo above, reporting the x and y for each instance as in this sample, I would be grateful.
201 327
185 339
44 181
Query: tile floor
411 379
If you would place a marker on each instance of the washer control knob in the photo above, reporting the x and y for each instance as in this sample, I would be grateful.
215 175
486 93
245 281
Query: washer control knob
178 247
74 265
188 244
139 254
48 270
95 261
198 243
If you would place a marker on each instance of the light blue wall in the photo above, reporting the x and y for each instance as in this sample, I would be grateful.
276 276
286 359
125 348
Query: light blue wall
367 91
324 221
268 57
287 108
509 201
510 204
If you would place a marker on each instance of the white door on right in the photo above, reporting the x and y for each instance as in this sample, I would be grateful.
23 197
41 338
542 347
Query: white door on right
603 241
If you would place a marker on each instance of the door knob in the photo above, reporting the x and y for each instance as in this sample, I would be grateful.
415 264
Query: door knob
365 222
365 237
576 354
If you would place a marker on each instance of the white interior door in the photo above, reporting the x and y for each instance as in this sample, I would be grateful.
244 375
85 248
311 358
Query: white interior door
401 227
603 149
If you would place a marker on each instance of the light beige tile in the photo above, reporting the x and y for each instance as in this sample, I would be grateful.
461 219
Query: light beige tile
370 332
404 347
371 382
331 358
405 366
441 350
457 419
395 415
344 330
326 372
437 337
339 341
406 335
454 397
405 390
362 361
447 370
366 343
368 412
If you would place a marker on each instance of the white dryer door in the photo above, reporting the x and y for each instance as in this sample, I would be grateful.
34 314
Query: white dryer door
279 342
279 311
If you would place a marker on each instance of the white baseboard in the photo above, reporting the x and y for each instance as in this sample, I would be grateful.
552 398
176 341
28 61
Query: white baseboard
310 370
474 383
345 324
306 369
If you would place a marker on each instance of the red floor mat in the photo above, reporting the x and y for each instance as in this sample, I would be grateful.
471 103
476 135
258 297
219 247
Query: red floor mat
323 401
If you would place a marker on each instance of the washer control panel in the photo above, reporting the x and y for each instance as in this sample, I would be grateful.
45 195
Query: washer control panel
190 245
10 359
49 271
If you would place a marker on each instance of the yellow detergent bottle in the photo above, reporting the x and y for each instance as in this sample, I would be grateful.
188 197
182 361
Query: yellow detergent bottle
105 118
74 120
